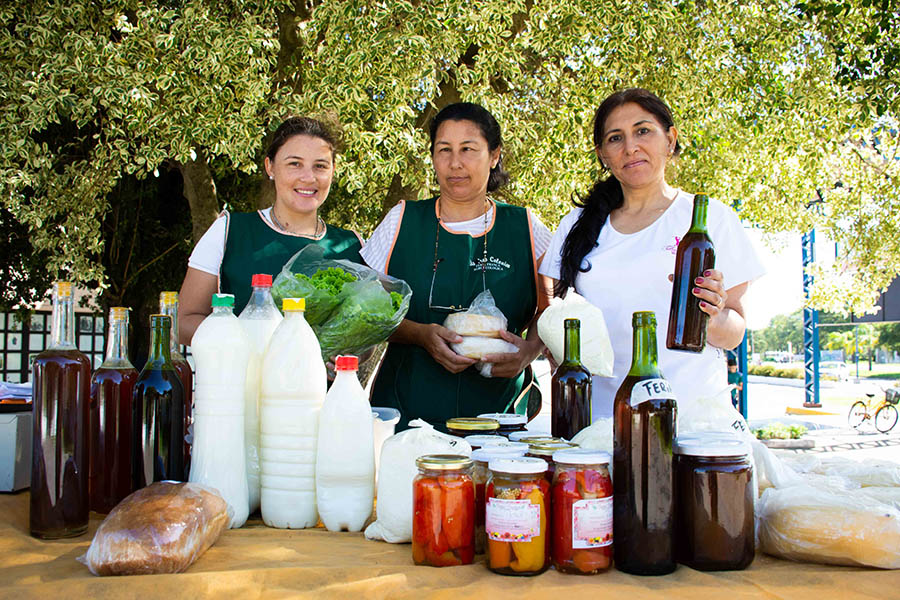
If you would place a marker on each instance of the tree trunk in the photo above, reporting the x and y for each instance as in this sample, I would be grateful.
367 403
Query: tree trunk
200 191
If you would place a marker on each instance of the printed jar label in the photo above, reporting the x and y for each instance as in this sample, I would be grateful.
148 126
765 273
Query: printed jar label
592 523
651 389
512 520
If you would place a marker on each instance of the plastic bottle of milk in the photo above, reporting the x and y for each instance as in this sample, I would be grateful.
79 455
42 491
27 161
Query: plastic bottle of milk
345 463
294 383
260 318
221 352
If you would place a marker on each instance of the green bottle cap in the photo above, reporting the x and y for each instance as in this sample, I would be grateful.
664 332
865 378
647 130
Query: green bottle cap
222 300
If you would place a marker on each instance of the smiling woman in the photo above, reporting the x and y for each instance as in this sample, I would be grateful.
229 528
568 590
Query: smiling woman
300 161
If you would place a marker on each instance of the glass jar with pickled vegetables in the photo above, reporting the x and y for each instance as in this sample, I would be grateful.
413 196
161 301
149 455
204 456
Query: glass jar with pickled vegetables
516 516
443 511
465 426
480 475
509 422
545 450
581 514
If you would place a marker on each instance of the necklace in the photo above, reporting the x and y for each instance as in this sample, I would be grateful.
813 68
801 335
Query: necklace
315 235
437 261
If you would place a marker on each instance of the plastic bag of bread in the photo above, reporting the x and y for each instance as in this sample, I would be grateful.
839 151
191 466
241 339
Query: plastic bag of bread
162 528
596 348
480 328
811 524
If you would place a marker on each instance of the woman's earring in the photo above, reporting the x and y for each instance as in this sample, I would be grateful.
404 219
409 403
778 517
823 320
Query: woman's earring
271 178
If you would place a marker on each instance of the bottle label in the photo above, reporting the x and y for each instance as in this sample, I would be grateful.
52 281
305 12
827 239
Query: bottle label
592 523
647 389
512 520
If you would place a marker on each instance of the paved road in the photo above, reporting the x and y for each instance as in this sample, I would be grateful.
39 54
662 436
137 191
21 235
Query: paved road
768 397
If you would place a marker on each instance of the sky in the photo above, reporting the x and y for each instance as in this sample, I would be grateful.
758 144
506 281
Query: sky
780 290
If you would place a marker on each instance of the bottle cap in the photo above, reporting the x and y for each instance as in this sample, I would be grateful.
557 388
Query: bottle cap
581 456
118 313
293 304
168 297
443 462
524 464
63 289
346 363
261 280
506 419
223 300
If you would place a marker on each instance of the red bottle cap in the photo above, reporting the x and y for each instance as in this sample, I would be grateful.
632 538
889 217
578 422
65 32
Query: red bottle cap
261 280
346 363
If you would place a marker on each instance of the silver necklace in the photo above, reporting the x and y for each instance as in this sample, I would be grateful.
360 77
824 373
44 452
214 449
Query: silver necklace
315 234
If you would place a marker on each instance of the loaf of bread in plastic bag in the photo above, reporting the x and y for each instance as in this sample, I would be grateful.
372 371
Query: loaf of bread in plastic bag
162 528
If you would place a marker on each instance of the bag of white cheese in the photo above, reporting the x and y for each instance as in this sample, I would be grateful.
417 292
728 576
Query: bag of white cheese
397 469
596 349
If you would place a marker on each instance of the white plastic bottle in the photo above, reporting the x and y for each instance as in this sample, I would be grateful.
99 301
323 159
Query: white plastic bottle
259 318
221 352
345 462
294 383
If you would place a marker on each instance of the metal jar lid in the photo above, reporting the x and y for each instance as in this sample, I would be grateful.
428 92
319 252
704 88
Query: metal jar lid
472 424
549 448
443 462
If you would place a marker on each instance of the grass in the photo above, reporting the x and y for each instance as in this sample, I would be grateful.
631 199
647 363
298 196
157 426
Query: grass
886 371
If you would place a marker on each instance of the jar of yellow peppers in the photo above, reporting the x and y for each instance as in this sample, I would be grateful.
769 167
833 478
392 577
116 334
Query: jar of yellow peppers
516 516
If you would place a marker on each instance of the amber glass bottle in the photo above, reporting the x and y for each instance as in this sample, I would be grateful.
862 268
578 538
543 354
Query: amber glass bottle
695 254
168 305
644 480
570 409
60 443
158 414
112 386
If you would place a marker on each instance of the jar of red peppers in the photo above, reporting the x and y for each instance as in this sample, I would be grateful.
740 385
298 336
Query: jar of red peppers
582 512
464 426
480 475
509 422
516 516
545 450
443 511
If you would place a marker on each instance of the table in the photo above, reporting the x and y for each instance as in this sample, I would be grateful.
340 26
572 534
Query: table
258 562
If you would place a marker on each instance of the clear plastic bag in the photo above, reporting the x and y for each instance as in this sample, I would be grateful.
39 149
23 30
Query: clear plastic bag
480 326
360 308
596 347
162 528
812 524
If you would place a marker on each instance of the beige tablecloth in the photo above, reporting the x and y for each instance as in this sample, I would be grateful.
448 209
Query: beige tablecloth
256 561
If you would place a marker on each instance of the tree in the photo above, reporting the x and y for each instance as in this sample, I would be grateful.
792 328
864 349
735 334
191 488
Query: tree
769 115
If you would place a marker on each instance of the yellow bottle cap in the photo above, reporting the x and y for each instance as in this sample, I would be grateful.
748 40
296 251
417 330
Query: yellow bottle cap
63 289
168 297
293 304
118 313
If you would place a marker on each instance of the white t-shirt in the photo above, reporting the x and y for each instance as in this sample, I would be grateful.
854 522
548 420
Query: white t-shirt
630 272
377 249
207 255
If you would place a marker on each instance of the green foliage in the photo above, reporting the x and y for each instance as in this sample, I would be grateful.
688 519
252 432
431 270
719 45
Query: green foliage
775 103
780 431
772 370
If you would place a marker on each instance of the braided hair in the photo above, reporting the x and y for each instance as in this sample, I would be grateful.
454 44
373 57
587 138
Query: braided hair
606 194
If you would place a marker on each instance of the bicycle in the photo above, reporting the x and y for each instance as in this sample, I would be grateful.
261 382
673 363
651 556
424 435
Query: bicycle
883 415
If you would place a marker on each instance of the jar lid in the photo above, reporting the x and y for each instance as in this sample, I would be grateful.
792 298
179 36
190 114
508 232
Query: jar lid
505 419
520 465
581 456
537 439
473 424
346 363
443 462
516 436
261 280
487 453
483 440
293 304
710 444
549 448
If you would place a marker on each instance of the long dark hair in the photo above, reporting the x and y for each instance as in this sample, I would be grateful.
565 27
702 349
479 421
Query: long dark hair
606 194
490 129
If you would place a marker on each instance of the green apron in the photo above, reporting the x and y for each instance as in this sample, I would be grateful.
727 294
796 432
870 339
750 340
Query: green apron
410 379
252 246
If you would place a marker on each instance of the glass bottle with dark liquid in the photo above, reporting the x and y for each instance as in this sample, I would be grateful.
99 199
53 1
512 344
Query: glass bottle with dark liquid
60 444
158 414
168 305
695 254
570 388
643 474
112 386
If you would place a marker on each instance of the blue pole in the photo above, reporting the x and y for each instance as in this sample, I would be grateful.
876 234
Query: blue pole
810 327
742 367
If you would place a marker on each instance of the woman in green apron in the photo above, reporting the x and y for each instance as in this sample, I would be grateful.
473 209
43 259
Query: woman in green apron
300 163
449 249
